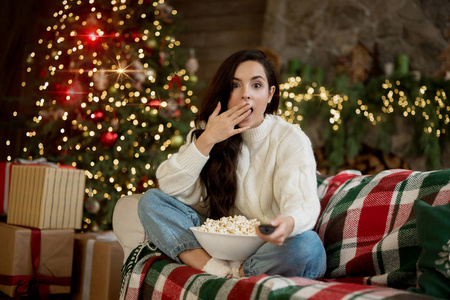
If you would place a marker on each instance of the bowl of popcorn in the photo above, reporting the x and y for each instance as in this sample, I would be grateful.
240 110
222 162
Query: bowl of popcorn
229 238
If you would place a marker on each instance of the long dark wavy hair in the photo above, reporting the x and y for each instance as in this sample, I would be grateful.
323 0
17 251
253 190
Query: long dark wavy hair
219 173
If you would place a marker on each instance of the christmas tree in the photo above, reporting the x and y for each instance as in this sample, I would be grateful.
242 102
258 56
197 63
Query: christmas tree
114 96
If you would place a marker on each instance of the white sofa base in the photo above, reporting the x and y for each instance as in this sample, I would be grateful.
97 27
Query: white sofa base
126 224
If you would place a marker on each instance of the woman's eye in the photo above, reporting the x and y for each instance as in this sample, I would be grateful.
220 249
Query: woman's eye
235 85
257 85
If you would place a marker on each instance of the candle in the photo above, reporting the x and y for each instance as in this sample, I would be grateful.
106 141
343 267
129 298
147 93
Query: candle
319 75
306 73
402 64
388 69
294 67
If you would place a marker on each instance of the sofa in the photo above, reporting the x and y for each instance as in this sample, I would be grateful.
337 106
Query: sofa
387 236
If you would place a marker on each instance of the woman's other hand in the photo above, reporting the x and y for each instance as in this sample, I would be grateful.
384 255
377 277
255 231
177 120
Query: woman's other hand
284 226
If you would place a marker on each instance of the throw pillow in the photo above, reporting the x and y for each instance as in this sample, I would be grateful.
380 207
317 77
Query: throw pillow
433 229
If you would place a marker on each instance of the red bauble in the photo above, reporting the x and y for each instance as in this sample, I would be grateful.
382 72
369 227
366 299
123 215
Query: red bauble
176 113
140 187
154 104
136 34
108 139
43 73
97 116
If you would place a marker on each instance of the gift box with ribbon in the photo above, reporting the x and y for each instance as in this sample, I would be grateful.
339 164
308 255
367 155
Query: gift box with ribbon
5 177
45 197
35 262
97 265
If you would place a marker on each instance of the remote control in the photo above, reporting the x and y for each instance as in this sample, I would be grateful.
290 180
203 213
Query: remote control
266 228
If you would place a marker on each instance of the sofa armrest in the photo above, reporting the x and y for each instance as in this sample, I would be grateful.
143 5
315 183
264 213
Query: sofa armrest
126 224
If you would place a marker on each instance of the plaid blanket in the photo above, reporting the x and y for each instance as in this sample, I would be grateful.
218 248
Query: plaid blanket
369 232
368 225
156 276
135 269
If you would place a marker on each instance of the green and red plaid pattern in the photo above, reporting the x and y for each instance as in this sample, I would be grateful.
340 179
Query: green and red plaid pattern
368 226
166 279
369 231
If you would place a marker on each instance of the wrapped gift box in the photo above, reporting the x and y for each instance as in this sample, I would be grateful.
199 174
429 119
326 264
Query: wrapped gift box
46 197
97 267
35 258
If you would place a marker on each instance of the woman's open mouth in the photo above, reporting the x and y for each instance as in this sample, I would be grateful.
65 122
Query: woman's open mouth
248 117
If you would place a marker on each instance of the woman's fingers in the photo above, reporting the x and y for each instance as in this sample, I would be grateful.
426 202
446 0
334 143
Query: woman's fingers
241 117
234 115
237 110
284 226
241 129
216 110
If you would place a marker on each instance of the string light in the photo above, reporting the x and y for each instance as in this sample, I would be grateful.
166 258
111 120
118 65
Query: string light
394 100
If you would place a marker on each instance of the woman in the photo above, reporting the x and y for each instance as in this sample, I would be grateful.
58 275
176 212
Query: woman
240 159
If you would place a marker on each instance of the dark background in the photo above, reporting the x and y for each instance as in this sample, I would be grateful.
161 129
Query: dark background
19 30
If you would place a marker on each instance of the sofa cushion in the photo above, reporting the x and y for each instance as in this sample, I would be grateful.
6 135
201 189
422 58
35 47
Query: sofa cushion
433 228
368 226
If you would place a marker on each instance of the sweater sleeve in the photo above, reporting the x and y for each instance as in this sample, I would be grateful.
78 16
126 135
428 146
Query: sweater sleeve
295 185
179 176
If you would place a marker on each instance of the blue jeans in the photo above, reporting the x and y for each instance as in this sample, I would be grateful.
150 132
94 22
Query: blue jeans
167 221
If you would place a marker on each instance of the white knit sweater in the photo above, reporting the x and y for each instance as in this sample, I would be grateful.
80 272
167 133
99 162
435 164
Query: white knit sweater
276 174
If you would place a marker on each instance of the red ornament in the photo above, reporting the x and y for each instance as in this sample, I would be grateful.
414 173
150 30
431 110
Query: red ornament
177 81
154 104
176 113
140 187
136 34
108 139
97 116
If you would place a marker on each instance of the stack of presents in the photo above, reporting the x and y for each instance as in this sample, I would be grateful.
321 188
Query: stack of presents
42 251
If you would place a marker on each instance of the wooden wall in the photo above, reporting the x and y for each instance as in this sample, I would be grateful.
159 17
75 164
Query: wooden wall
217 28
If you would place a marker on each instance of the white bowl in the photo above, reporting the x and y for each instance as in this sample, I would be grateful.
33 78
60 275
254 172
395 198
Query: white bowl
227 246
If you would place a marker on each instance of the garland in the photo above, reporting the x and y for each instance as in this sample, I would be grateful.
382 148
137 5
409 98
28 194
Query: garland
348 111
